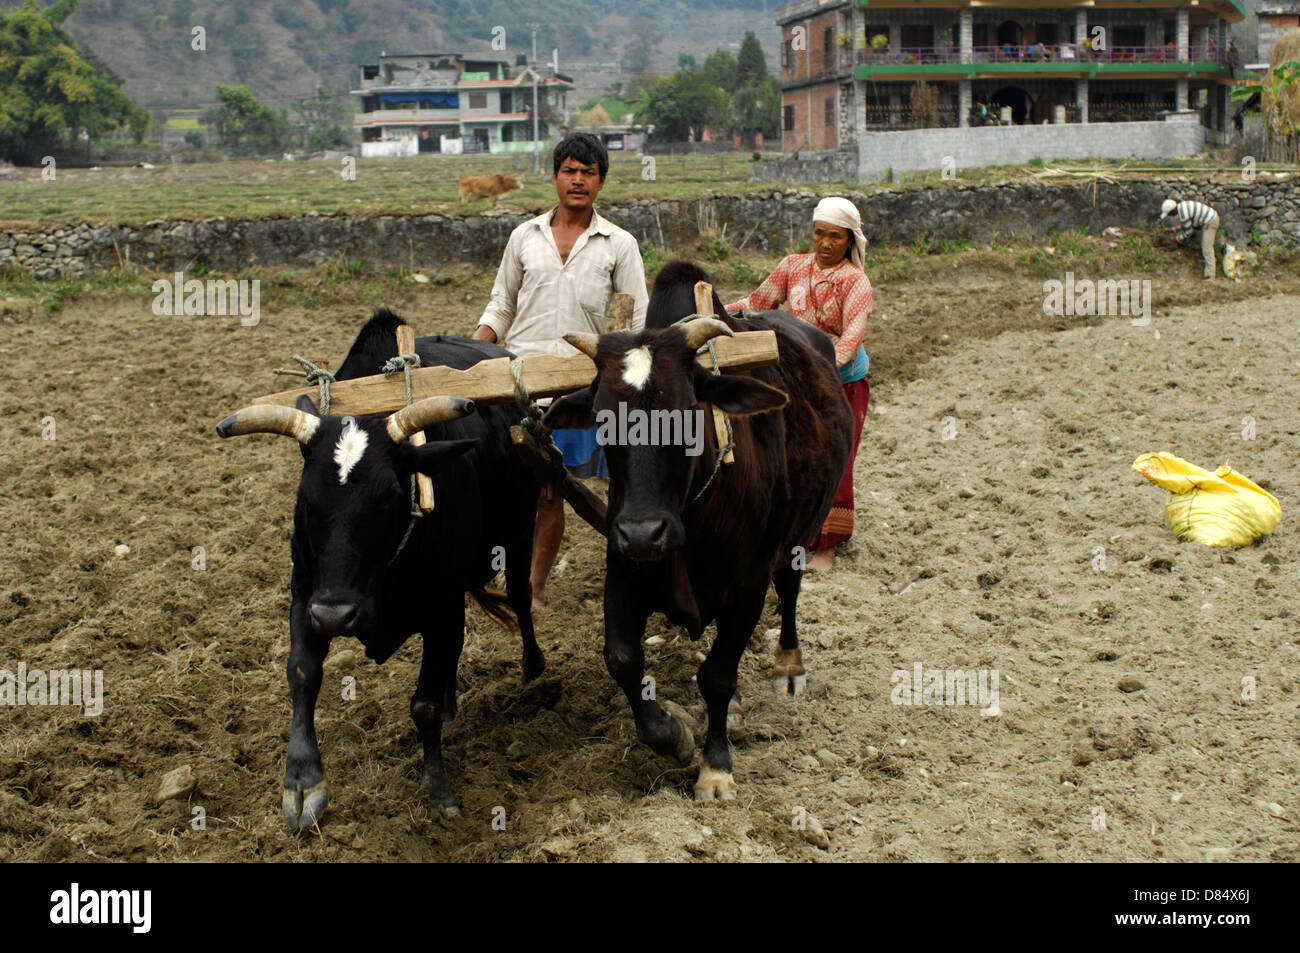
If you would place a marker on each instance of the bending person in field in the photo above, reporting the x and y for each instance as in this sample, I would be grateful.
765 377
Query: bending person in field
1184 218
829 290
556 277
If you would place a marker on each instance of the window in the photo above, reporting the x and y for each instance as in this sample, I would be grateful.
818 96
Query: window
830 112
1128 36
788 125
917 37
478 100
828 43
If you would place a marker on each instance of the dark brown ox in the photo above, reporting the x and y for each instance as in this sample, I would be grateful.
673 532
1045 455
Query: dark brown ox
695 540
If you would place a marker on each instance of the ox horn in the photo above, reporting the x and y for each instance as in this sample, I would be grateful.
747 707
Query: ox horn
270 418
426 413
585 342
702 330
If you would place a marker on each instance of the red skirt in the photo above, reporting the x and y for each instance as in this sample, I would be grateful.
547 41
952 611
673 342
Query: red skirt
839 524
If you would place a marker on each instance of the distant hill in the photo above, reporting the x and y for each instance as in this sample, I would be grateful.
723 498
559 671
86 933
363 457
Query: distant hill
285 49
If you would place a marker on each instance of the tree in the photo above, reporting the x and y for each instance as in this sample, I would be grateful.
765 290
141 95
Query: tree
681 105
639 82
641 47
48 94
322 117
685 62
245 126
751 67
720 69
757 109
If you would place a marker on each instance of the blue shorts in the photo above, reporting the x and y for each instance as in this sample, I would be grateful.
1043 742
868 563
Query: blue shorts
583 455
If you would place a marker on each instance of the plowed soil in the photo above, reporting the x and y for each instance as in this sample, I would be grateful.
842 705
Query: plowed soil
1025 544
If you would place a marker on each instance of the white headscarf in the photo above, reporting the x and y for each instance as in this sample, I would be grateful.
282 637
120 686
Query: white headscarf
1167 207
842 213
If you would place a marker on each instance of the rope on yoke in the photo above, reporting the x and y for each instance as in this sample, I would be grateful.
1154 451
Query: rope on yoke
532 421
731 436
404 363
318 375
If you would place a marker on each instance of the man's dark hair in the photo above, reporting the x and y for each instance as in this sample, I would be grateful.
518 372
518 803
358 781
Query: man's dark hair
581 147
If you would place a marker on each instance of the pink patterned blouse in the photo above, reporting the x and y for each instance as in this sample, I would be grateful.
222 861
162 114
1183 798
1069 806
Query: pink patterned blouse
838 300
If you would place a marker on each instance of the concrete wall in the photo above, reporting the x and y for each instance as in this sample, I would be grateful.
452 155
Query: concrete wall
924 149
834 165
772 220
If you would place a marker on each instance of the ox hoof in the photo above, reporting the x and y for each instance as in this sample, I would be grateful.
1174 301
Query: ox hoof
714 785
787 685
446 807
684 750
441 799
790 675
305 809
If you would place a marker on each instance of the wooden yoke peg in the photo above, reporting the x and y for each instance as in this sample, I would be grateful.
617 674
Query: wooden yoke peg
406 345
704 306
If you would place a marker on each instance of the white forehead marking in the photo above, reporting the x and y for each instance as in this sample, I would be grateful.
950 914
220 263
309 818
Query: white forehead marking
636 367
349 450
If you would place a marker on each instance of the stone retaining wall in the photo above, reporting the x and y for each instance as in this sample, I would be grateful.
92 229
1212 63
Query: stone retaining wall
771 220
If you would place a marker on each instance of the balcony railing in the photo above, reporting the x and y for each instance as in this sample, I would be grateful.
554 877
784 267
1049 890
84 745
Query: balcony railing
910 54
884 118
1041 53
1117 111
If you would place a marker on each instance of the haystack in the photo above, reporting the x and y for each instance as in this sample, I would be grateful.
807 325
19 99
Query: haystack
597 116
1287 48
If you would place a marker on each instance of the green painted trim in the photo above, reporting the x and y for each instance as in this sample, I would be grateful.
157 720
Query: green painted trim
1084 70
1136 4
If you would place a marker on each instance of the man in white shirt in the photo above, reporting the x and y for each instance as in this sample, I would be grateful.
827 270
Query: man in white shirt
556 277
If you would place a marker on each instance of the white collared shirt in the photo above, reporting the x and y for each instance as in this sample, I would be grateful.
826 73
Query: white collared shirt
537 299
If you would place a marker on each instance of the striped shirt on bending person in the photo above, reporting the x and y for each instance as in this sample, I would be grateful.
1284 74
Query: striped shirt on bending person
1191 216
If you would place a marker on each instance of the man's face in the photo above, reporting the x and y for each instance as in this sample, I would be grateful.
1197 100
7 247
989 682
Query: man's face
577 185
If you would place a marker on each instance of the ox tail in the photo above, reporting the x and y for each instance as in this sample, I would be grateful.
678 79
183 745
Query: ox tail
497 606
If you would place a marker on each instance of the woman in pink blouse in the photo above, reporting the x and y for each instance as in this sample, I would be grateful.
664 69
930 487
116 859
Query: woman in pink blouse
829 290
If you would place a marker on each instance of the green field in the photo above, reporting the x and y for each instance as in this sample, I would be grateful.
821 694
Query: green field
425 183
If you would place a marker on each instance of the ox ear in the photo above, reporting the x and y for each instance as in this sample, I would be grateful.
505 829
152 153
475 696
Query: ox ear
738 396
572 411
431 457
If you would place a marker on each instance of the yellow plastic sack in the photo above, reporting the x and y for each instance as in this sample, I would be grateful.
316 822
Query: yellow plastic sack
1222 508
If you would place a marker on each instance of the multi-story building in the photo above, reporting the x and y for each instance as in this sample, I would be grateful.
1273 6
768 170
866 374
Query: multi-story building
1275 18
817 84
447 102
852 68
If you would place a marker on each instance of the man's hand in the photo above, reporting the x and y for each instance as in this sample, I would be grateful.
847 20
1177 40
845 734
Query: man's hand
484 333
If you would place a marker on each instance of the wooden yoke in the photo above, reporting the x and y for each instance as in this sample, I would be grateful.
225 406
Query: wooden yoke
542 375
406 345
704 306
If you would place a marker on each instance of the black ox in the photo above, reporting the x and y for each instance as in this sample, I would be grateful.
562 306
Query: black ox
352 573
697 541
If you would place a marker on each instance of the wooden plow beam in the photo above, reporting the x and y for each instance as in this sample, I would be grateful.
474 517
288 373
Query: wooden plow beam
542 375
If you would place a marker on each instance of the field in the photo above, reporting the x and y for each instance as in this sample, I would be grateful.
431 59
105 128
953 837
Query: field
398 186
973 552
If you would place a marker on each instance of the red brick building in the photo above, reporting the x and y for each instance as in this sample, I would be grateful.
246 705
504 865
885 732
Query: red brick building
817 88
